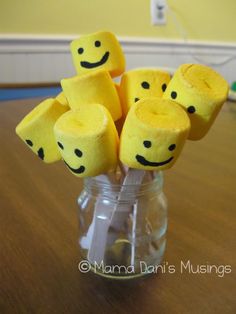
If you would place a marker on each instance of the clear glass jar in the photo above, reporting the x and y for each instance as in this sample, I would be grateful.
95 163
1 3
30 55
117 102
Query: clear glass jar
122 228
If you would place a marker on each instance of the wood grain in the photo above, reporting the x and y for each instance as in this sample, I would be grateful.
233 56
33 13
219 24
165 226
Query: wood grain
39 254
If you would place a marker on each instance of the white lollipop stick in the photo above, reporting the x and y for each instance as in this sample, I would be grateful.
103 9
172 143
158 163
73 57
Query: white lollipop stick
108 217
97 233
122 212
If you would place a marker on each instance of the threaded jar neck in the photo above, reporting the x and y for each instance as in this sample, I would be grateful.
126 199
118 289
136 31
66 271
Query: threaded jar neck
103 186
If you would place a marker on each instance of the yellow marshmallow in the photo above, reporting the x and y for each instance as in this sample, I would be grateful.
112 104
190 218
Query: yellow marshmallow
117 87
153 135
141 83
36 129
95 87
88 140
202 92
62 99
99 50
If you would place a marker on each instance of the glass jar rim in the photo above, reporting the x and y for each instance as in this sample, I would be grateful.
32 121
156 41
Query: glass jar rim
101 185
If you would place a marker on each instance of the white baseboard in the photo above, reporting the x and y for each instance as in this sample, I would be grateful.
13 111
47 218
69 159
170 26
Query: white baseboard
29 59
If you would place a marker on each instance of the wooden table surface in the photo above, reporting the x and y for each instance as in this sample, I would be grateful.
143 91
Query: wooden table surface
39 229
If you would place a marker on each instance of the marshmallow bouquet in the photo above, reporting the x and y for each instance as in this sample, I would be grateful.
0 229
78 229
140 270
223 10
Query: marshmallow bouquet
154 113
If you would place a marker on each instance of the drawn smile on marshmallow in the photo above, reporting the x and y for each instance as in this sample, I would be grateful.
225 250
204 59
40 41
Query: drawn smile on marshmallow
81 169
90 65
145 162
79 154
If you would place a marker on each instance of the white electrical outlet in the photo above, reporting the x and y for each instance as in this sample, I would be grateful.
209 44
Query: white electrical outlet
158 12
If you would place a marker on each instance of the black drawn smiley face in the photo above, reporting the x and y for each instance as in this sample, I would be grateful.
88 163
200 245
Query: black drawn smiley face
90 65
101 51
145 162
190 109
39 151
78 153
143 83
149 89
154 134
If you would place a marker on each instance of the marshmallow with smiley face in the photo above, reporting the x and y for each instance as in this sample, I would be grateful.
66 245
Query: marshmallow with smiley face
88 140
142 83
95 51
201 92
90 88
154 134
36 129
